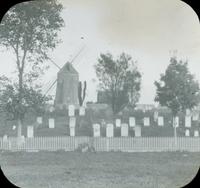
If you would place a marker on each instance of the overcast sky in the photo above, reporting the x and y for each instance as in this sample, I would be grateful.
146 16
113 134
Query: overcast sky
148 30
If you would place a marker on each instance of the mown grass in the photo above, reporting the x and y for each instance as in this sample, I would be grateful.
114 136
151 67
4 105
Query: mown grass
98 170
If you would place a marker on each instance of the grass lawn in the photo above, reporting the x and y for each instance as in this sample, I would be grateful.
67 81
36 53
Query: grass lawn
99 170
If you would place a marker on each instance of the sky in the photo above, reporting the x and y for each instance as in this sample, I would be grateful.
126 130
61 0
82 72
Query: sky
150 31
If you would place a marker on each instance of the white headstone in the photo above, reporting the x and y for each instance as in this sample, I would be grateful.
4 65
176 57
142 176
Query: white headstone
51 109
131 121
51 123
176 122
81 111
187 132
187 121
39 120
109 130
96 130
146 121
160 121
195 116
124 129
5 138
72 122
196 133
71 110
72 131
188 112
118 122
137 131
30 132
22 139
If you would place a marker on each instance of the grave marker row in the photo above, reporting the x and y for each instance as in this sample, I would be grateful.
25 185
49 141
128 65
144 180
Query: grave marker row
71 110
110 130
187 133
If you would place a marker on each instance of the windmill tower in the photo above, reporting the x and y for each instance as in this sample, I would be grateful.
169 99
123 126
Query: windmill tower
67 87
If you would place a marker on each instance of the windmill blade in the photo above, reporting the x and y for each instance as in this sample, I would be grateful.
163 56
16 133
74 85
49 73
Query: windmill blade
77 54
50 87
48 84
54 63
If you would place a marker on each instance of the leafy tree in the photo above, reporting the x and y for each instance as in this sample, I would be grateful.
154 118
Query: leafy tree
119 79
32 99
29 30
177 88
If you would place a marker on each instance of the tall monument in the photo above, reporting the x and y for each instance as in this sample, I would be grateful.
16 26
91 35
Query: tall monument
67 87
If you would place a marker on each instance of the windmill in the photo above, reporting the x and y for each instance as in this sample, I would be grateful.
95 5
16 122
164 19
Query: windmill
67 83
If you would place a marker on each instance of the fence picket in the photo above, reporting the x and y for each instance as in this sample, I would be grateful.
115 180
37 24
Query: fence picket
104 144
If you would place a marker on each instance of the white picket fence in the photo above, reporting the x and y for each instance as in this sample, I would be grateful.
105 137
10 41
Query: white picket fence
128 144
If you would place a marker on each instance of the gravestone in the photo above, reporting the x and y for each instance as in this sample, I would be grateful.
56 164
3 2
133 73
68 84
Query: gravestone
51 123
187 132
196 133
39 120
146 121
51 109
118 122
124 129
72 131
72 122
96 130
176 122
71 110
5 138
137 131
109 130
131 121
195 116
81 111
21 139
160 121
187 121
30 132
188 112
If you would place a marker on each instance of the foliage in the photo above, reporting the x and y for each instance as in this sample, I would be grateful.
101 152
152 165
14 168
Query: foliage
29 30
119 80
33 99
177 88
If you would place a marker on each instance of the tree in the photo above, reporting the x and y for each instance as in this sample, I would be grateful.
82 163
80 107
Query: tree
29 30
33 100
119 79
177 88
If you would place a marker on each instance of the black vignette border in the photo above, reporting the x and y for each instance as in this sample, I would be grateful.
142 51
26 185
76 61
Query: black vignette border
194 5
6 5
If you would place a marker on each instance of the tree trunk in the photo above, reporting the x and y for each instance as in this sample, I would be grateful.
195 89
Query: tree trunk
175 133
19 128
19 132
19 121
